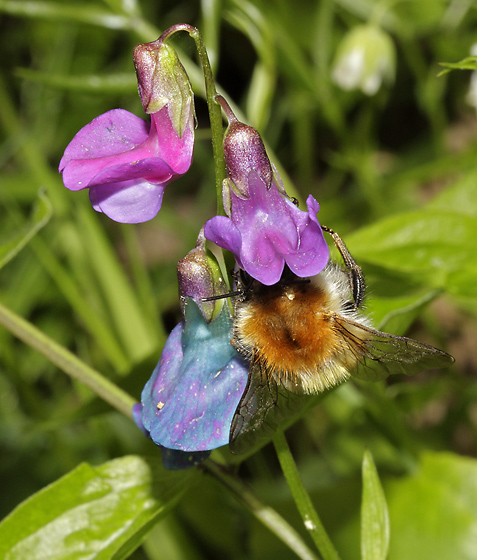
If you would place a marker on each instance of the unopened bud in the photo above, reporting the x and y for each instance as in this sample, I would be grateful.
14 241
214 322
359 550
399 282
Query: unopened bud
199 278
163 81
244 152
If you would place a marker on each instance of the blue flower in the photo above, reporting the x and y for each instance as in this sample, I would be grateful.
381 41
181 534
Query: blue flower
189 402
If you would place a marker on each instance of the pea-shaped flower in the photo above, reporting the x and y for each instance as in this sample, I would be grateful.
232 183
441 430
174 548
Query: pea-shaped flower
264 229
126 162
188 404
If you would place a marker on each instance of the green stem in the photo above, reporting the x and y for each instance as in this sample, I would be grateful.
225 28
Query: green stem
66 361
265 514
303 502
215 113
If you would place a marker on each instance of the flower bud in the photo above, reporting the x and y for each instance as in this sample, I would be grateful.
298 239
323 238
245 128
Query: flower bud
244 152
199 278
162 81
365 58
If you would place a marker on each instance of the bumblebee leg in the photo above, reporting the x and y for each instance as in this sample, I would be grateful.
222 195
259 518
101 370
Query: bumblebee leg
356 277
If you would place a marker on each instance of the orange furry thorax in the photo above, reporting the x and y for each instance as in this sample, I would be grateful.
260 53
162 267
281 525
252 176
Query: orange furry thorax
288 327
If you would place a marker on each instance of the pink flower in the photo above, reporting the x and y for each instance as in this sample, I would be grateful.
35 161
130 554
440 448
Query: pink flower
266 232
264 229
126 162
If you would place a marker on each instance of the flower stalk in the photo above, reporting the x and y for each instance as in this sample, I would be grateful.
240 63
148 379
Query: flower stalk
66 361
213 106
263 513
308 513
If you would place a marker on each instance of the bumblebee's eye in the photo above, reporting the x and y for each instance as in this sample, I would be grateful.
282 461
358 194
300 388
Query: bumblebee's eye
246 280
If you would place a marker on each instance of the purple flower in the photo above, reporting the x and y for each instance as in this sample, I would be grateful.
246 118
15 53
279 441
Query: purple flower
188 403
265 230
126 162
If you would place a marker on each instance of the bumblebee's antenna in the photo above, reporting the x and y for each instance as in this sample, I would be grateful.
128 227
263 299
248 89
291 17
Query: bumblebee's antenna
356 277
223 296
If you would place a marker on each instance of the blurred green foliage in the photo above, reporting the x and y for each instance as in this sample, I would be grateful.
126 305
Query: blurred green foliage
396 176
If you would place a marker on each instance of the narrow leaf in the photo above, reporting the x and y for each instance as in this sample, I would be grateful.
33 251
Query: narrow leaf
137 337
374 514
113 83
82 13
40 216
468 63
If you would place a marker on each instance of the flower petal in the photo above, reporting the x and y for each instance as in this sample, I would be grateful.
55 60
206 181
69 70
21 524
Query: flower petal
267 231
189 402
81 174
111 133
223 232
172 459
313 253
176 150
118 146
128 202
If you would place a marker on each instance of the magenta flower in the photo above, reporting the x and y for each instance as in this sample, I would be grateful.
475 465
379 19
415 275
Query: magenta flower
126 162
265 230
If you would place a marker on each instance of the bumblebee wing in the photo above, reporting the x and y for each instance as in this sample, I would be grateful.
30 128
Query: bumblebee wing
377 354
264 407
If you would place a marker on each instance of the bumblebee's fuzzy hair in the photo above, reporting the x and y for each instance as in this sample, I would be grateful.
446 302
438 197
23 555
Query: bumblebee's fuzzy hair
294 333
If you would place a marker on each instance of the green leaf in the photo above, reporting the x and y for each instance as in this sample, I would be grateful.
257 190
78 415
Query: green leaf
41 214
468 63
374 514
460 197
432 244
112 83
396 314
93 512
81 13
434 512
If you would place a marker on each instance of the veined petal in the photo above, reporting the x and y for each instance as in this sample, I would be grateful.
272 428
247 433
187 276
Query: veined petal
81 174
267 231
313 252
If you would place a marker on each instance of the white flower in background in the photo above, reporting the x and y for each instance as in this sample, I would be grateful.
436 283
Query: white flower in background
472 93
365 59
